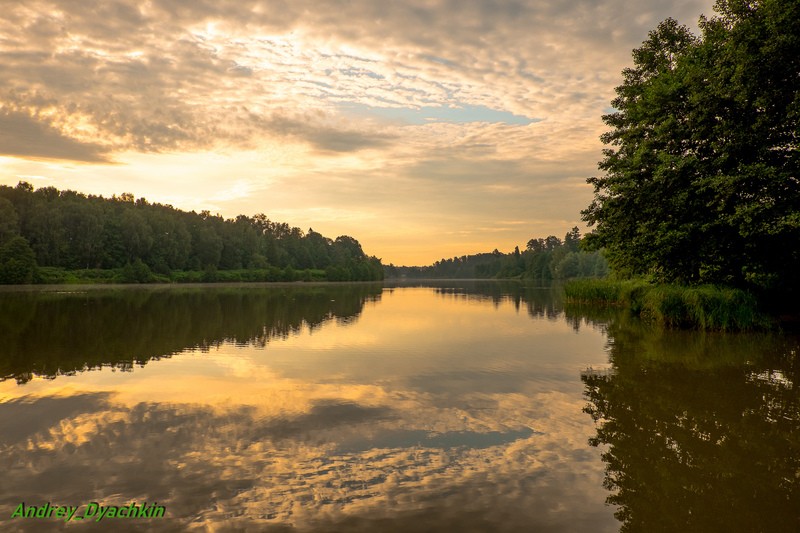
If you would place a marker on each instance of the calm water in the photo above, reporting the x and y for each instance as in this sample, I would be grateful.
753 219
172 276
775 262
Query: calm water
449 407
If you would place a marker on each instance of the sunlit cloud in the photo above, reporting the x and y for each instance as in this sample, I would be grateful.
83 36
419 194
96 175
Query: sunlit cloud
394 106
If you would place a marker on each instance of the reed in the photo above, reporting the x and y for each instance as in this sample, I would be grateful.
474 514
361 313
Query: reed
707 307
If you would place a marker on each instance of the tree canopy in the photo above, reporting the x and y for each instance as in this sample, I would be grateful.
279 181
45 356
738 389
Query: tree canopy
701 179
543 260
69 230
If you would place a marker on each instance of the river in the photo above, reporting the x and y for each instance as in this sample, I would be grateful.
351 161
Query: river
446 406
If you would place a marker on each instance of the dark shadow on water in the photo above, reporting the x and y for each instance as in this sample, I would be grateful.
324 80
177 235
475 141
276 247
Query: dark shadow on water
700 431
50 334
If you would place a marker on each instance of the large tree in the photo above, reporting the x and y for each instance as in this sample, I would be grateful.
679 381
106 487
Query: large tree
701 176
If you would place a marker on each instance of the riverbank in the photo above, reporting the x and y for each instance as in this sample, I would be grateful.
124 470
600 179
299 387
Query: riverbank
138 273
706 307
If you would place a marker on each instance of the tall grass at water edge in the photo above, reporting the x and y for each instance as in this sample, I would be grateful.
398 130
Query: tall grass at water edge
707 307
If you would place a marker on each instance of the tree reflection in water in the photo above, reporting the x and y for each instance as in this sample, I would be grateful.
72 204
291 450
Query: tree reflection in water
51 334
701 432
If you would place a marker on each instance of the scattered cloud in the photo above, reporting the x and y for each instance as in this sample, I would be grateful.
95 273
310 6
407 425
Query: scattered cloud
25 136
430 93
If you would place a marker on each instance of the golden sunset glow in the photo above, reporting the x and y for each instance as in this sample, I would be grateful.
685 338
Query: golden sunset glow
424 131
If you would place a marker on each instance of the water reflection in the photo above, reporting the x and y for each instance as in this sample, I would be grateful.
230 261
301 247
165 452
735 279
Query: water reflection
324 409
701 431
54 333
455 406
539 301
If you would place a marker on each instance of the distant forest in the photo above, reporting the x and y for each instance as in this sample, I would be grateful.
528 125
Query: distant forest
544 259
45 234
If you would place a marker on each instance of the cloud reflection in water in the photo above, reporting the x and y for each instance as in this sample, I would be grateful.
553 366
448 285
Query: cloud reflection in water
310 435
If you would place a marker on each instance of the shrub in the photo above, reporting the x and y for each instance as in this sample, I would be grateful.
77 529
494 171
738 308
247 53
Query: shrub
704 307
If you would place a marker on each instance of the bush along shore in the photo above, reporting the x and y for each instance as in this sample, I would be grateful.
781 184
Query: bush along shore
138 272
706 307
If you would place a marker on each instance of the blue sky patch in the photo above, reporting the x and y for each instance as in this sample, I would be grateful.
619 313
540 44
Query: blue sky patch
461 114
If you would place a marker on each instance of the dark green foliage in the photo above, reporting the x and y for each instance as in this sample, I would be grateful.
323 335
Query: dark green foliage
91 276
136 272
17 262
704 307
544 260
9 222
553 259
593 290
134 241
702 170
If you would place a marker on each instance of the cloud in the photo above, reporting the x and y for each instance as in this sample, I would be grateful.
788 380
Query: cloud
22 418
378 104
22 135
451 114
171 75
321 136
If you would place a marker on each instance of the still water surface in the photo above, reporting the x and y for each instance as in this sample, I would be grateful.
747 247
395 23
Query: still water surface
449 407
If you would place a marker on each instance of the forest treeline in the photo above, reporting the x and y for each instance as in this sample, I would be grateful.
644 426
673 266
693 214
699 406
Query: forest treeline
543 260
45 234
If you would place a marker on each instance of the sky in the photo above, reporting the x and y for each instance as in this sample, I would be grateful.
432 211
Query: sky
426 129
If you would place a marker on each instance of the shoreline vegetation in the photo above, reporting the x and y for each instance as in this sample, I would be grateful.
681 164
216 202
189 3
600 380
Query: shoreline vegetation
700 176
542 261
139 274
705 307
53 238
50 236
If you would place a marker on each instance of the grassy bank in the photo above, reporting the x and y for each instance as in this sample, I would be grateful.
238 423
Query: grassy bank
136 274
706 307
